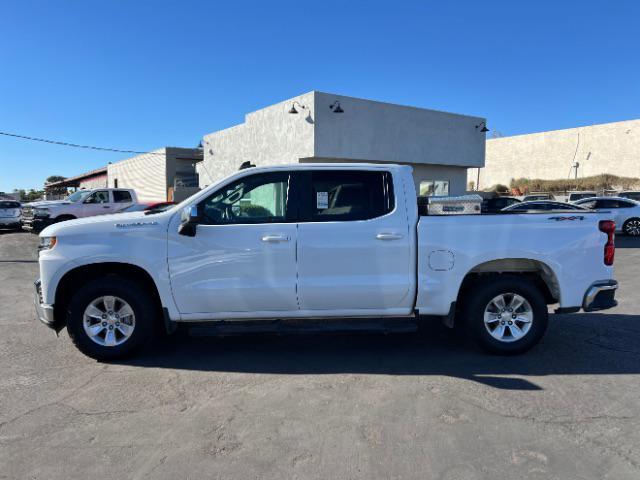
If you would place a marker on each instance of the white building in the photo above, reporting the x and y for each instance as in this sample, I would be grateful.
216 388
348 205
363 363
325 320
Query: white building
164 174
612 148
440 146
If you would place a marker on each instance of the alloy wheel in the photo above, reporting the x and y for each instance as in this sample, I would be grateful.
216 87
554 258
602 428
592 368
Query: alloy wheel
109 321
632 227
508 317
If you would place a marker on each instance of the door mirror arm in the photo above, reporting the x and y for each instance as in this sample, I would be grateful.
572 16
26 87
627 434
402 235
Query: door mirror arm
189 221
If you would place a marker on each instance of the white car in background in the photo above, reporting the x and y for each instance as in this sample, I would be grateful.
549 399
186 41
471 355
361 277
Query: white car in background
541 206
626 212
10 214
575 196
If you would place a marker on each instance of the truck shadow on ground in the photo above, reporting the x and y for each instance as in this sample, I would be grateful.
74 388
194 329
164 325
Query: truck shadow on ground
588 344
624 241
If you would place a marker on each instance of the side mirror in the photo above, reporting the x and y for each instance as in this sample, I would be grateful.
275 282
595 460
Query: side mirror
189 221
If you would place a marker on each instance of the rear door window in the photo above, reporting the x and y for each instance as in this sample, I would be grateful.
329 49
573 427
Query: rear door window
122 196
346 195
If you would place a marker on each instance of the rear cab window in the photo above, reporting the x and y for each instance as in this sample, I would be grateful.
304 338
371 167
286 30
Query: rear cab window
122 196
345 195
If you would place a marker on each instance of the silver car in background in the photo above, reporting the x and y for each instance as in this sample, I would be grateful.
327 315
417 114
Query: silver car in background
10 214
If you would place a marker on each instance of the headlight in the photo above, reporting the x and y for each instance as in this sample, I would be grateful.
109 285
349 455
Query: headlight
40 212
47 243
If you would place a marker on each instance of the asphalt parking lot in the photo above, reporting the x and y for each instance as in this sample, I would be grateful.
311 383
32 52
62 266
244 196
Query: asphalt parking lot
355 406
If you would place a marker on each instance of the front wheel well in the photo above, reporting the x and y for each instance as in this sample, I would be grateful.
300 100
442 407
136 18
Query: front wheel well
64 217
82 275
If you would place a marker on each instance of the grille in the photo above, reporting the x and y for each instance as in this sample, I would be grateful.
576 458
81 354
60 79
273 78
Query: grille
39 291
27 212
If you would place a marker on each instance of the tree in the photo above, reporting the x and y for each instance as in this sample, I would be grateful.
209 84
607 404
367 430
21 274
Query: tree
55 190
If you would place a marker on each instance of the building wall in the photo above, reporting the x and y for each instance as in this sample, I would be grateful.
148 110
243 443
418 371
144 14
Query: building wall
99 181
377 131
608 148
146 174
437 144
270 136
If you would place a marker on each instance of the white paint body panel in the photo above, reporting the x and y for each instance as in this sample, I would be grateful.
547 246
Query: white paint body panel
229 268
359 265
571 249
332 269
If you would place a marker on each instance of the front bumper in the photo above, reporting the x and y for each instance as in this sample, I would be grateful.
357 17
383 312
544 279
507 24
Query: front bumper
600 296
12 222
36 224
44 312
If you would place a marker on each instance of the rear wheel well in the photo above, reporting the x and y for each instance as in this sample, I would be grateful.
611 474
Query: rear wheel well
86 273
537 272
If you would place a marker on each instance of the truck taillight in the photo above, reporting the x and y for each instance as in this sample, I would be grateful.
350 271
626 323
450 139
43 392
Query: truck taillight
609 227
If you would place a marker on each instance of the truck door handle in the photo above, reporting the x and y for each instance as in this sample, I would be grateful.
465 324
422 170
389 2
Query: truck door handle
389 236
275 238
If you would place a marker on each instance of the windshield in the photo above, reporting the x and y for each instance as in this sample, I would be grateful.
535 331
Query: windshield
78 196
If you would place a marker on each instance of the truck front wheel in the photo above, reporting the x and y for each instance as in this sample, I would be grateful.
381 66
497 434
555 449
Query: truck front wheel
110 318
507 315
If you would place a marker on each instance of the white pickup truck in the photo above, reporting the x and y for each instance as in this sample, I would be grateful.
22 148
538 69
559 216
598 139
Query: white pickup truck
83 203
319 242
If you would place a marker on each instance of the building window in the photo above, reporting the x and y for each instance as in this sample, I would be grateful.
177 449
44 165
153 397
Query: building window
434 188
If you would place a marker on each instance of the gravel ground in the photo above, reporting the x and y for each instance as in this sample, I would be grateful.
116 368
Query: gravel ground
357 406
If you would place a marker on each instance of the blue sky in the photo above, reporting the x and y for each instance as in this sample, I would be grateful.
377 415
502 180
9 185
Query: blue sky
145 74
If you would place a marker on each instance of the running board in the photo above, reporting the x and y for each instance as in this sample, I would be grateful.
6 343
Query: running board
302 326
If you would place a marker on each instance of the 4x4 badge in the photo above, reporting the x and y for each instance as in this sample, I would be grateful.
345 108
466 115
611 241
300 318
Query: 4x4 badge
561 219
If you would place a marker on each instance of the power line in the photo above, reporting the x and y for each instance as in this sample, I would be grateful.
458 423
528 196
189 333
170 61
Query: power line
75 145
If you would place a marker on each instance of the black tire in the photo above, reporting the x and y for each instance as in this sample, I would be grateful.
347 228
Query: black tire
140 301
63 218
630 227
484 291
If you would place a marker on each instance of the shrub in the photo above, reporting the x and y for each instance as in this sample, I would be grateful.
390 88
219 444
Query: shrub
604 181
498 188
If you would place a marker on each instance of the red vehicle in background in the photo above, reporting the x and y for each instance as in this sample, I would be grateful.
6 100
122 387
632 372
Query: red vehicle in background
156 207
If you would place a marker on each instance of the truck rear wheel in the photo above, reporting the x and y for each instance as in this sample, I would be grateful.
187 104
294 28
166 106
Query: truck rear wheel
506 315
110 318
